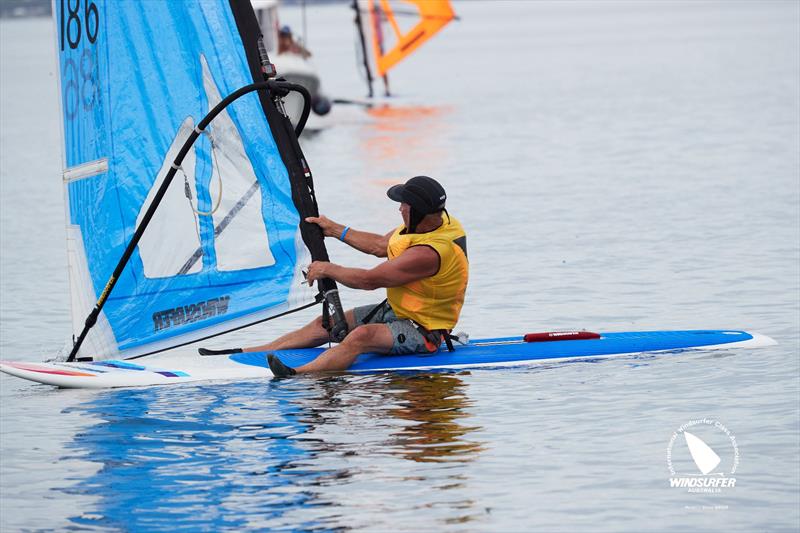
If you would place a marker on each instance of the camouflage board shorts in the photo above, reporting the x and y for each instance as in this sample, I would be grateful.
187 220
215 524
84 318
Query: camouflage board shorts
407 337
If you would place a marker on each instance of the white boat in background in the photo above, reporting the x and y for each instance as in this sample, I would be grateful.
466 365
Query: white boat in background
293 66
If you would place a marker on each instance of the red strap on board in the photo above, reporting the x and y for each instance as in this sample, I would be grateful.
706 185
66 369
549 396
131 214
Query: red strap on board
560 336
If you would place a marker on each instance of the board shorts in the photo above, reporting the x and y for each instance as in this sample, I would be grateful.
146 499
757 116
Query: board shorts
407 336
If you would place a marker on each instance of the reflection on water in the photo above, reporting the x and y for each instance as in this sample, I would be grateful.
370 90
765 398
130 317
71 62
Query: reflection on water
435 402
268 454
397 132
203 455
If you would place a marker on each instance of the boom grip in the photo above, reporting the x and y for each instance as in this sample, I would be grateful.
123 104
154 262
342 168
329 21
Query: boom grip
282 87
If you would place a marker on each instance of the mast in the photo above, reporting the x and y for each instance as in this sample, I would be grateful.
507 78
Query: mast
300 175
377 15
362 39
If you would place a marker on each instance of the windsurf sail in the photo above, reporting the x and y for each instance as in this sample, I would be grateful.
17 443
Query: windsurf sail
213 243
391 30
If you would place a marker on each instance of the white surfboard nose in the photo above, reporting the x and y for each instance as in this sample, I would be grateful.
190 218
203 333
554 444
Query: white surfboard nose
764 340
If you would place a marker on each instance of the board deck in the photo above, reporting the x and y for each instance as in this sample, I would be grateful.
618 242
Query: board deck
185 365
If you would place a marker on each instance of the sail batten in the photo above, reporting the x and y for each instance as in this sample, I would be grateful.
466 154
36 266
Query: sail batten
86 170
224 247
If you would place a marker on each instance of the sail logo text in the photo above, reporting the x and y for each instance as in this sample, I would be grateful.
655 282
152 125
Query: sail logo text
187 314
699 454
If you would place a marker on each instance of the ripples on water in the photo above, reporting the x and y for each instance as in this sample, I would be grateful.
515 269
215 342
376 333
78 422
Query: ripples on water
618 165
328 453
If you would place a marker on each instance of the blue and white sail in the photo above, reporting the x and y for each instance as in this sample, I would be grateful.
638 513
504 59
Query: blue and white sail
223 249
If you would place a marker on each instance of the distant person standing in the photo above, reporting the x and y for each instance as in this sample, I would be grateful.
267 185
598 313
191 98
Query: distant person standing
287 44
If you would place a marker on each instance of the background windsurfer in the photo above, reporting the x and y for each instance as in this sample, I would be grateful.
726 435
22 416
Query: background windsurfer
425 275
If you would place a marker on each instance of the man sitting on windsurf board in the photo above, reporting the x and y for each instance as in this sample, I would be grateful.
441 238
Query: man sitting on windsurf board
425 276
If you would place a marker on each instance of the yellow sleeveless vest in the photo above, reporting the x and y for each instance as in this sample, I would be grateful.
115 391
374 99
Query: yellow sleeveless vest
434 302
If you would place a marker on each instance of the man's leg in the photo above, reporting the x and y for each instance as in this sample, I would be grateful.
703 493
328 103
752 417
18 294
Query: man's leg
309 336
366 338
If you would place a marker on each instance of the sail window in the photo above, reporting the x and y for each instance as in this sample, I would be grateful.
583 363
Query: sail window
240 236
173 236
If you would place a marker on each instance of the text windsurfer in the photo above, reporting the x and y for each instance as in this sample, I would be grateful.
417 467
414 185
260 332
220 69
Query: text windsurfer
425 276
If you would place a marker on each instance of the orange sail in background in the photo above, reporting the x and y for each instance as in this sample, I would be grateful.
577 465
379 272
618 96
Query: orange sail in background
431 16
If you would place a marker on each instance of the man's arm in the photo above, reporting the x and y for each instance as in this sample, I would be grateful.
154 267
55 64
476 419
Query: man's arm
363 241
413 264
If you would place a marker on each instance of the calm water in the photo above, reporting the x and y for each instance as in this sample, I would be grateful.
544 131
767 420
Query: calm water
619 166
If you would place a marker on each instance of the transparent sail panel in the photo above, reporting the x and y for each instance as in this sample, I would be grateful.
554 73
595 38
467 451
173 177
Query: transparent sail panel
240 235
175 226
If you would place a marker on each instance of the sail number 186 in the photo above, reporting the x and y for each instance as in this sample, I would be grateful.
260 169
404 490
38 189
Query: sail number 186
76 21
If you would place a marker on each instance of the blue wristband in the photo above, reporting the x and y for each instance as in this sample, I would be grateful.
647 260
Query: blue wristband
344 232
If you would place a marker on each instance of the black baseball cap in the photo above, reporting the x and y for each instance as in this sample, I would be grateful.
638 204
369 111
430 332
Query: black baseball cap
423 193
